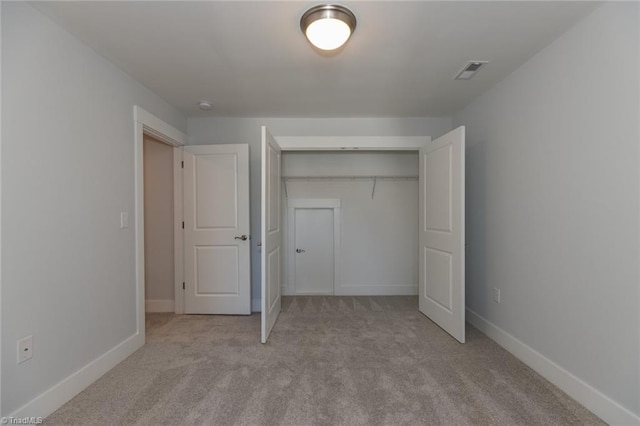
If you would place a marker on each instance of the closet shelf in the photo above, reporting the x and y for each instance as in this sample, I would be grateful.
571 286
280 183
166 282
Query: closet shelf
374 179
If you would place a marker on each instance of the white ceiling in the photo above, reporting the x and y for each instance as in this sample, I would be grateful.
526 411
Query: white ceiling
251 59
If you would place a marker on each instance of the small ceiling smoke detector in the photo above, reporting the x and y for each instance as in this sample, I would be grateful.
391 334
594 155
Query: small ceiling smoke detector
205 106
470 70
328 26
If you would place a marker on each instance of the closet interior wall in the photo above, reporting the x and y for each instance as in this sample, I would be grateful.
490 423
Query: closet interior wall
379 215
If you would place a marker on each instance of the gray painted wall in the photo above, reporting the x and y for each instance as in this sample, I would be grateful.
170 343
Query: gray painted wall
552 202
68 271
228 130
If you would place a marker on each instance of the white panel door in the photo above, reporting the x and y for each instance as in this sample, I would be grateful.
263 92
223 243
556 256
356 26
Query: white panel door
271 233
216 229
313 251
441 260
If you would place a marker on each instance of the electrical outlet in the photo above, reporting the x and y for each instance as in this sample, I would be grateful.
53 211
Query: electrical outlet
25 349
124 220
496 295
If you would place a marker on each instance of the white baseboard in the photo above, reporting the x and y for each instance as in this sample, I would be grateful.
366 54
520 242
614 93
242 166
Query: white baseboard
377 290
256 305
159 305
56 396
600 404
361 290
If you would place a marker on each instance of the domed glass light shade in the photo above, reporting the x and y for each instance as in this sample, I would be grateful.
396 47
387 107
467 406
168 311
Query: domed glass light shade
328 26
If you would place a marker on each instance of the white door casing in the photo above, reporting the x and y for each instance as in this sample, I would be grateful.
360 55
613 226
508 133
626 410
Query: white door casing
216 229
441 276
271 233
147 123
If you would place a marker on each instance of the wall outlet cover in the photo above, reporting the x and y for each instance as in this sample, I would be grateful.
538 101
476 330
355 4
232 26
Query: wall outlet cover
124 220
25 349
496 295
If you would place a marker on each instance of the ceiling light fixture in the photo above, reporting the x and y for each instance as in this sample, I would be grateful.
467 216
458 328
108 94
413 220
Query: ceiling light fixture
205 106
328 26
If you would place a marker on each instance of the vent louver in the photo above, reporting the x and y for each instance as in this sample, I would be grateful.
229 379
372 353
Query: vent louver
470 70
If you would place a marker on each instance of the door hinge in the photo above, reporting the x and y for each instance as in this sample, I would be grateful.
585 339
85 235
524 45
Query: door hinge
183 286
182 224
182 164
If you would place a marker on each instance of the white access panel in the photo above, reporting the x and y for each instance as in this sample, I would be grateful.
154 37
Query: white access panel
313 251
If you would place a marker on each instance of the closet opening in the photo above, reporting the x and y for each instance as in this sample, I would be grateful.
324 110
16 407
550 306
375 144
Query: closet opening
400 204
349 222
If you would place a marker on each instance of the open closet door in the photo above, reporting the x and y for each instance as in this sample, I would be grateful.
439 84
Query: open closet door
271 233
441 271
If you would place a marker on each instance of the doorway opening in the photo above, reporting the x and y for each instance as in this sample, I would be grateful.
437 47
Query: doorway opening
146 126
159 203
378 192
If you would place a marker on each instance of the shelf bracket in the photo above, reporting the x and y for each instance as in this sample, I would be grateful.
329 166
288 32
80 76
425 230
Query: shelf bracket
373 190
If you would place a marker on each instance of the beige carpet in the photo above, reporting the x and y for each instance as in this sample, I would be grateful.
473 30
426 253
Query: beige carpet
329 361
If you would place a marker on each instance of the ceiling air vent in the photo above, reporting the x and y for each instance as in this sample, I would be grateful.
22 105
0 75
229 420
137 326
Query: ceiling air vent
470 70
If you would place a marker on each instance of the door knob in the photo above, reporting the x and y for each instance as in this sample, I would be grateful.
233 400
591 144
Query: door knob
300 250
242 237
